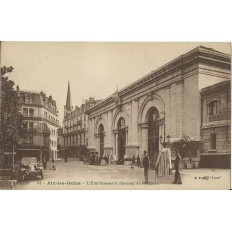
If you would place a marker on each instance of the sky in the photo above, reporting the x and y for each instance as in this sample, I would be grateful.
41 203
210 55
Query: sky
93 69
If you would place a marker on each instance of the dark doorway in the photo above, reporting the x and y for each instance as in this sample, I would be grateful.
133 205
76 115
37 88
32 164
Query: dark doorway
101 134
121 139
153 133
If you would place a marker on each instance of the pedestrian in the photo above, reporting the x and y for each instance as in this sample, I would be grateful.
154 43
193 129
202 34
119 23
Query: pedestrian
45 162
65 159
138 162
108 158
111 159
141 160
146 166
177 163
92 159
133 161
53 164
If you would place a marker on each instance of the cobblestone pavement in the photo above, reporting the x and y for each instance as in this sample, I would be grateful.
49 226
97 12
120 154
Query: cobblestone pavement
75 175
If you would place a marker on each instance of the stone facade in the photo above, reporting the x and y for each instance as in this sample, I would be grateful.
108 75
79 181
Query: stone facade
40 123
216 124
163 105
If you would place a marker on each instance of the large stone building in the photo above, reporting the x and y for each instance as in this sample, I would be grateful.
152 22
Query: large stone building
40 124
162 106
75 125
216 123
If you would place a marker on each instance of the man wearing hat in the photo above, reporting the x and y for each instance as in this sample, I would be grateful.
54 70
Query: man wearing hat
146 165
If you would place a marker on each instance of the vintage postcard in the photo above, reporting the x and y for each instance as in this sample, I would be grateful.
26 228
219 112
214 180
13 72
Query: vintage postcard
115 115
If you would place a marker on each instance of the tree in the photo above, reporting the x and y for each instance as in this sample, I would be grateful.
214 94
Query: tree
11 123
187 147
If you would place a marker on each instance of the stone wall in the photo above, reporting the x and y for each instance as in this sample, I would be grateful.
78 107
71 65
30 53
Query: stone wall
176 96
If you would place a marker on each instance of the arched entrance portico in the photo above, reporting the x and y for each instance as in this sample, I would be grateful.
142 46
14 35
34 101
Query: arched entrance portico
151 115
120 125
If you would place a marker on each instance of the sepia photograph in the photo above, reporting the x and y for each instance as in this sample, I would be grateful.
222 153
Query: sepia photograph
115 115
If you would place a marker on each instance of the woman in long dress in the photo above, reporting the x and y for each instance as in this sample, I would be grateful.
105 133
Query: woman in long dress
177 162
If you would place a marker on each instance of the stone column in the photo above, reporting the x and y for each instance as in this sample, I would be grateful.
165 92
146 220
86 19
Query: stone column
168 112
116 146
109 129
173 109
94 137
108 147
134 120
130 129
132 145
161 133
179 105
144 137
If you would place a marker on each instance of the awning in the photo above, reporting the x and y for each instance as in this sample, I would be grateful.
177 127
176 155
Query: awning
8 153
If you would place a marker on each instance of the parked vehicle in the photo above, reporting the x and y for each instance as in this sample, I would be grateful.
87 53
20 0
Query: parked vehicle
91 158
30 169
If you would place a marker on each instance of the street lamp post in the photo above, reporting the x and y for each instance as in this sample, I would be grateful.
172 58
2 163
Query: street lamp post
168 136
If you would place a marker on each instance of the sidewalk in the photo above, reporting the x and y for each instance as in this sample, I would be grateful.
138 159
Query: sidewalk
123 177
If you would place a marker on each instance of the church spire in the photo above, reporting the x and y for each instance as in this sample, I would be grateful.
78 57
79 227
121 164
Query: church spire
68 106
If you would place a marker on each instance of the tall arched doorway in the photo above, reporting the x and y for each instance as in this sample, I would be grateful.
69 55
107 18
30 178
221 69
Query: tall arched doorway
101 135
121 138
153 132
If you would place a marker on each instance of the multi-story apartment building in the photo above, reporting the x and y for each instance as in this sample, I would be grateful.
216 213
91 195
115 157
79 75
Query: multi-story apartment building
216 123
60 142
40 124
75 126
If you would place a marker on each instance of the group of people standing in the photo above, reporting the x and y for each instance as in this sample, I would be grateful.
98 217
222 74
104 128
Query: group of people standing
145 163
139 160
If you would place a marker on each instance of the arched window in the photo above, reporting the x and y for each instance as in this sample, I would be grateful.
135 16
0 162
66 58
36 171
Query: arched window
214 107
31 112
121 123
25 112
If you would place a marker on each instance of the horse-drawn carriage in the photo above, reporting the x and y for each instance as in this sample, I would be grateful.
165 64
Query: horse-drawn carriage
91 158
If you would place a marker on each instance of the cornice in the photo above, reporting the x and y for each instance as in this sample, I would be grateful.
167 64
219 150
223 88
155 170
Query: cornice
197 55
220 87
34 105
40 119
221 123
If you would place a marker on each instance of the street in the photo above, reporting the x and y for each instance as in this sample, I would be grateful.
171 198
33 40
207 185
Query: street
76 175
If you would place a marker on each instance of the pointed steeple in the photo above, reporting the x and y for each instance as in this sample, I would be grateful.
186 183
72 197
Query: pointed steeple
68 106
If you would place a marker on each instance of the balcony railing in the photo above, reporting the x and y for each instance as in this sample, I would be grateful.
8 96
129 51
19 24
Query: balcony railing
51 120
217 117
39 116
32 130
69 131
